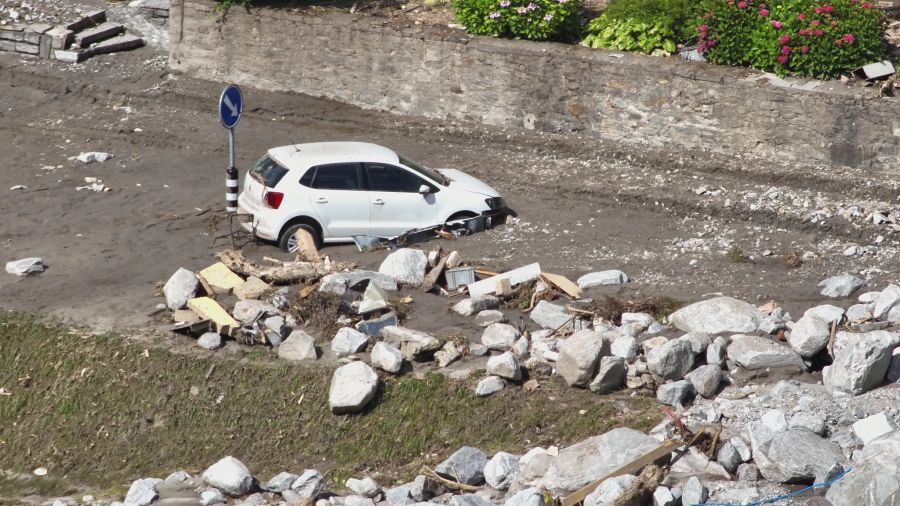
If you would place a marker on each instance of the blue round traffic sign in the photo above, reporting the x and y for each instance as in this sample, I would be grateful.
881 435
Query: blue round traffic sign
231 104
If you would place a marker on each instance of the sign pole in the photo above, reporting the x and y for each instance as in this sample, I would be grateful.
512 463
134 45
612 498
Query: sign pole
231 177
231 105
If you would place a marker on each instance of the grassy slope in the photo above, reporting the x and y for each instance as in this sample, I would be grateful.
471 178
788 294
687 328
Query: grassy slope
100 411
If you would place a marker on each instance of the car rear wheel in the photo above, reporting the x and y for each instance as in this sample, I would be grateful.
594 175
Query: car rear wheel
288 240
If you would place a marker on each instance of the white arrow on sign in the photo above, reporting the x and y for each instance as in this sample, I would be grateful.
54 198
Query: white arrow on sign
229 104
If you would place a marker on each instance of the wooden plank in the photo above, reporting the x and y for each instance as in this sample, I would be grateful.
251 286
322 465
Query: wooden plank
434 274
504 287
563 283
515 276
633 467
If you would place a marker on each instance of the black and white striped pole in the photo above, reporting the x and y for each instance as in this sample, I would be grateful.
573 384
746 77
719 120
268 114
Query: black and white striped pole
231 105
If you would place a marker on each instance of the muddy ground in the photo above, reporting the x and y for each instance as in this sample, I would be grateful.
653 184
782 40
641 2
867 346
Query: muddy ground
666 217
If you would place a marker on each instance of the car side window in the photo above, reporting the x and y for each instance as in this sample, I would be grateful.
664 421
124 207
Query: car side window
307 178
387 178
337 176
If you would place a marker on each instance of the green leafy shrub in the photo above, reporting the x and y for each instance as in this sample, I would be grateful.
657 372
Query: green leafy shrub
525 19
651 26
802 37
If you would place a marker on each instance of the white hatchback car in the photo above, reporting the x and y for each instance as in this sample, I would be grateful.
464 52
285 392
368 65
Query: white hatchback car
337 190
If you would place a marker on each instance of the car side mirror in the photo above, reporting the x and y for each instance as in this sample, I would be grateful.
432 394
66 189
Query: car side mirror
424 190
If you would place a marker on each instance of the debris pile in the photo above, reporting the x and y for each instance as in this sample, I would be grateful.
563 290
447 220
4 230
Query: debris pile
74 42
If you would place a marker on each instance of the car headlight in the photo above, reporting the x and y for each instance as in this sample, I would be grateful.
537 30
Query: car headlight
495 203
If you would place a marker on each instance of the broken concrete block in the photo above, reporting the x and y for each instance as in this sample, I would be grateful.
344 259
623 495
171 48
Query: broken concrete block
253 288
98 33
220 278
7 45
90 19
13 33
116 44
27 48
73 56
32 33
60 37
44 46
185 316
873 427
25 266
209 309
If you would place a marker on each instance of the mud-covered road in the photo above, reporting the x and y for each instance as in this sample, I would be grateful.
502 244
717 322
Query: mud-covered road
664 216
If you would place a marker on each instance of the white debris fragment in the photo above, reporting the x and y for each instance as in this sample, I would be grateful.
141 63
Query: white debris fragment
93 156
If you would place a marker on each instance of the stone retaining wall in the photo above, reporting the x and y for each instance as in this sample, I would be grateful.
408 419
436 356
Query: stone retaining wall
446 74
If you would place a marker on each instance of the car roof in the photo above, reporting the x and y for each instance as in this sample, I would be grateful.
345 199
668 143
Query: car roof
302 156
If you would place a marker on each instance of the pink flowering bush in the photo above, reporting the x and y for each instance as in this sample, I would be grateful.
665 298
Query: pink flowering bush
812 38
523 19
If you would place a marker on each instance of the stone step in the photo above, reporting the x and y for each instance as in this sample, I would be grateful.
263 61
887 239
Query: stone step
116 44
89 20
98 33
71 56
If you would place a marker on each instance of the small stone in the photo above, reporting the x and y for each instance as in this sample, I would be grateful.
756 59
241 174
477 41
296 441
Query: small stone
694 492
212 496
662 496
230 476
506 366
406 266
625 347
873 427
860 361
748 472
893 372
501 470
142 492
366 487
297 347
840 286
472 305
610 375
717 315
809 336
348 341
466 465
489 316
386 357
248 310
579 356
500 336
180 288
610 490
728 457
602 278
549 316
352 387
489 386
706 380
309 483
716 352
755 353
210 341
176 477
448 354
413 344
671 361
811 422
677 393
252 288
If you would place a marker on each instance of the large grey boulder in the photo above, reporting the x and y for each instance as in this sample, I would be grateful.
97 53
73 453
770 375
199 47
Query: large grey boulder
717 315
280 482
297 347
584 462
466 465
860 362
489 386
754 353
477 304
809 336
501 470
579 356
352 387
791 455
505 366
610 490
338 282
671 361
532 496
602 278
406 266
840 286
348 341
610 375
499 336
549 316
625 347
875 475
230 476
386 357
142 492
884 301
308 484
180 288
413 344
826 312
676 393
706 380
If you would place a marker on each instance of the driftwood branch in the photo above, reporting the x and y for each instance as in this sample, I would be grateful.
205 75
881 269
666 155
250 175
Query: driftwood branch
427 471
285 272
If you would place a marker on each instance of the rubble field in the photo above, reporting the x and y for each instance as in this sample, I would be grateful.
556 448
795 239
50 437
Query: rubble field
674 328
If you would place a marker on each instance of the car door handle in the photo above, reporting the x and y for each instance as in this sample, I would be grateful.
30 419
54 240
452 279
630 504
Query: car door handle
321 200
378 202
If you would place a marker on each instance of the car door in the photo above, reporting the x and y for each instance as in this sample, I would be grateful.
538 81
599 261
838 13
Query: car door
395 202
339 201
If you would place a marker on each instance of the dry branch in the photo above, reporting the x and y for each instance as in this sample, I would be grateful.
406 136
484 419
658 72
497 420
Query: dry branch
286 272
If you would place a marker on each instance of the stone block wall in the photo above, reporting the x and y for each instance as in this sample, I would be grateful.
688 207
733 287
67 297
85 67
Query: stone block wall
443 73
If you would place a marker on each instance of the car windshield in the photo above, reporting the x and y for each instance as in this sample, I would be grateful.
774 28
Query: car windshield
425 171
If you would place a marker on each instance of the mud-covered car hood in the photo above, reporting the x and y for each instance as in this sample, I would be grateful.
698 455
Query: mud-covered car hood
461 181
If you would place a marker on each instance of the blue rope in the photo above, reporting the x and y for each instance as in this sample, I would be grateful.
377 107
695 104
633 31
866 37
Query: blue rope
780 497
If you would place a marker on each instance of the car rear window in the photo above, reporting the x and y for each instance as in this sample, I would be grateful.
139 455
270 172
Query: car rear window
268 172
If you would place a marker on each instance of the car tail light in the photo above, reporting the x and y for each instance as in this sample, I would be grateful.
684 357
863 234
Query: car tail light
273 199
